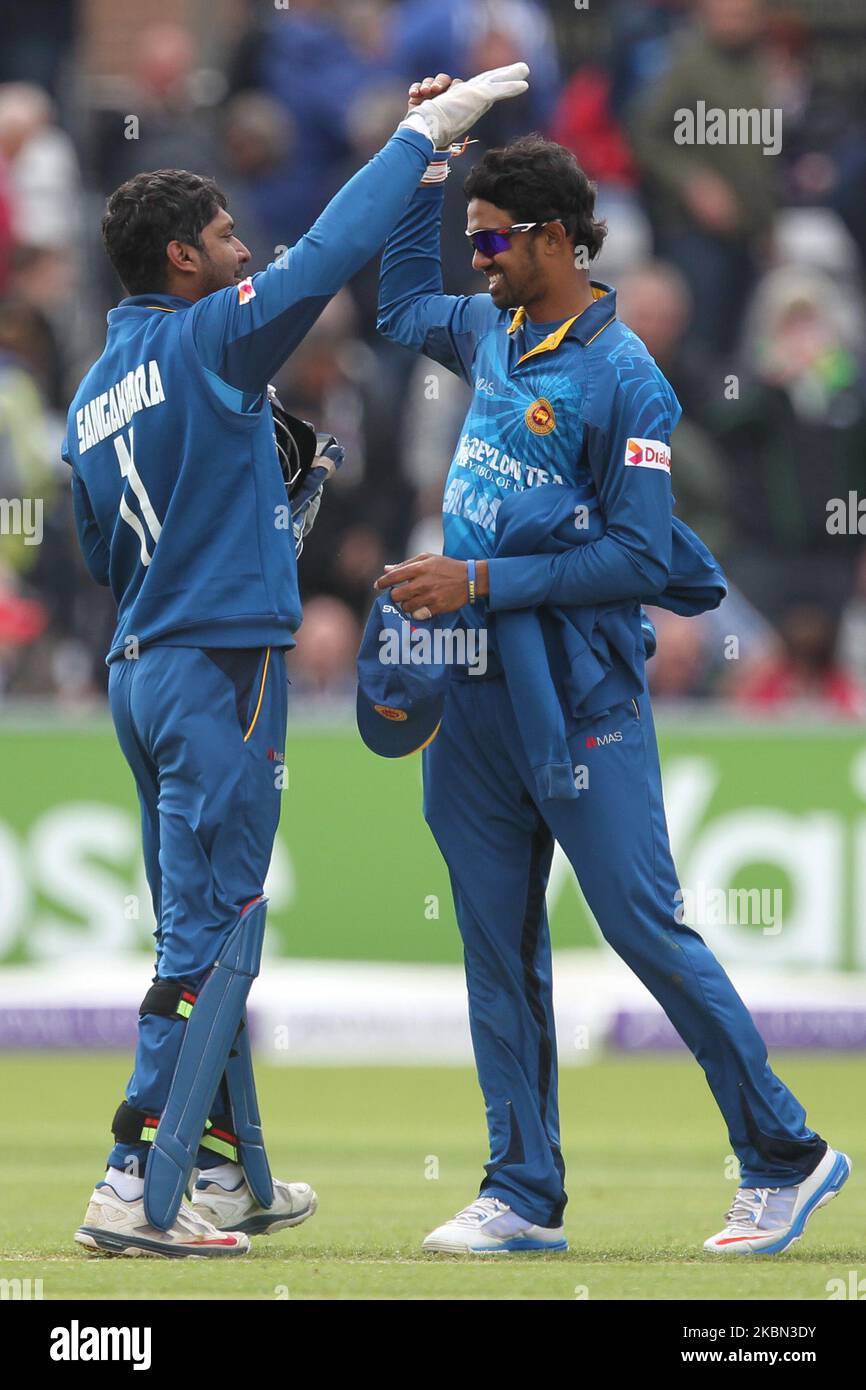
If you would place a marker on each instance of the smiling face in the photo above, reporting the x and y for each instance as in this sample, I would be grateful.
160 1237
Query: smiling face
518 275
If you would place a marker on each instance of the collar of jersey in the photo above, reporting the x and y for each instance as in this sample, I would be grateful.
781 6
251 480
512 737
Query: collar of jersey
165 303
584 327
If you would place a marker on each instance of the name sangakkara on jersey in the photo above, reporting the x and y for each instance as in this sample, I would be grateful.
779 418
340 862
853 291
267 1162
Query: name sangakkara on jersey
108 412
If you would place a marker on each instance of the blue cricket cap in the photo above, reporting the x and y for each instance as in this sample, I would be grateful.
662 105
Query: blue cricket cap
401 689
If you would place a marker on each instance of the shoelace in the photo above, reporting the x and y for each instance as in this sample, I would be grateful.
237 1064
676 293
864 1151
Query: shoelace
756 1206
480 1210
748 1206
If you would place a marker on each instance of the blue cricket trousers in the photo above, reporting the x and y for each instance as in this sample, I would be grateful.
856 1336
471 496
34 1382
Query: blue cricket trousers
204 732
497 841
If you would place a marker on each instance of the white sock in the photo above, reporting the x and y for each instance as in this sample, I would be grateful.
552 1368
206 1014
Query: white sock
227 1175
128 1186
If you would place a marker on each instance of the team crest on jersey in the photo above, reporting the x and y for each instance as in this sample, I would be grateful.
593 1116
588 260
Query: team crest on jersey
540 417
387 712
246 291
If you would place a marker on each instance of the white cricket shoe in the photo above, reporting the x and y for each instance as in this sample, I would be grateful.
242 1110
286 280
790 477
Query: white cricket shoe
489 1227
236 1209
766 1220
113 1226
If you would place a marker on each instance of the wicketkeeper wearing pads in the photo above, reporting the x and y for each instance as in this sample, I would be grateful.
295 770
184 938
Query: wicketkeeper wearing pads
180 467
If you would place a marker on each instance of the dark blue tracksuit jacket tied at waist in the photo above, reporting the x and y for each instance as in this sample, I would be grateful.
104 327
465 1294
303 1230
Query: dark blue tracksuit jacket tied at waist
575 660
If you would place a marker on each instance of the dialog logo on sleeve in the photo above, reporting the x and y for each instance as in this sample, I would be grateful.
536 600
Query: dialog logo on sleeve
246 291
648 453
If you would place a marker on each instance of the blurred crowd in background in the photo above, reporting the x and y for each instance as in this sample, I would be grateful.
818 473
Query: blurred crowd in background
743 273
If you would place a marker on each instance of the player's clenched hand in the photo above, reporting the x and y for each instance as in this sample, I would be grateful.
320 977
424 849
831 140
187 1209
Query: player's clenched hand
432 582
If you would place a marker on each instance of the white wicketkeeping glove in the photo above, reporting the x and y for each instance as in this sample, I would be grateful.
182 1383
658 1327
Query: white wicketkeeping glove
450 115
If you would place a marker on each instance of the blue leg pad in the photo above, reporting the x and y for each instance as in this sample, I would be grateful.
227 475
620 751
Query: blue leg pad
204 1054
247 1122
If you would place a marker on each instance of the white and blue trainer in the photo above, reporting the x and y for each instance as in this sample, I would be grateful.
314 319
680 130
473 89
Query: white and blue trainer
489 1227
766 1220
233 1207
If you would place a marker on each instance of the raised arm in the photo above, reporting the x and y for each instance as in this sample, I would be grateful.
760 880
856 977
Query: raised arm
412 307
244 334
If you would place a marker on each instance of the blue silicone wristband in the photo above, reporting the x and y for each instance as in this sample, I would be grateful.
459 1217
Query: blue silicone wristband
470 573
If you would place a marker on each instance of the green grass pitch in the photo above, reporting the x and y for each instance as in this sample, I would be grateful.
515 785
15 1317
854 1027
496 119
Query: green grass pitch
395 1151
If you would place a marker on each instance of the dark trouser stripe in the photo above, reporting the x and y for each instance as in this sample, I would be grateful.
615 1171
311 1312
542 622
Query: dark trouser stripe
533 916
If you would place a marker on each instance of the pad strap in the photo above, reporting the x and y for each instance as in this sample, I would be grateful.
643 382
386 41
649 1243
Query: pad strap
168 999
132 1126
220 1138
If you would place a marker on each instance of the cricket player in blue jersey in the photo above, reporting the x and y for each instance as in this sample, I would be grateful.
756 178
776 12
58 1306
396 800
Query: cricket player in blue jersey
181 507
563 394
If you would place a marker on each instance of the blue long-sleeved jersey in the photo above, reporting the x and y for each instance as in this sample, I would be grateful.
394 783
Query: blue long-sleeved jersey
179 499
586 403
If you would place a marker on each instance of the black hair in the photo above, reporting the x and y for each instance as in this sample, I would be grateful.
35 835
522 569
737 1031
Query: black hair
537 180
149 211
